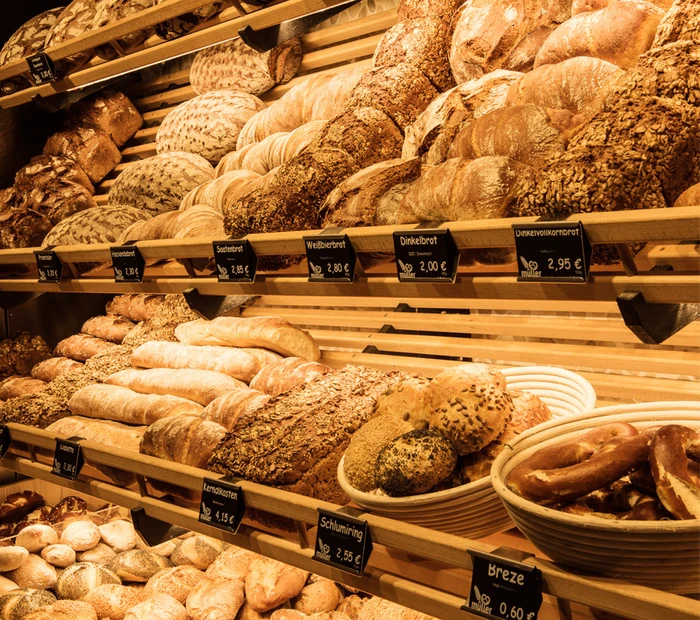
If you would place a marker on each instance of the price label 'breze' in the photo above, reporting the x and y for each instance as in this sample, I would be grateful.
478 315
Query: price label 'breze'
67 458
343 542
330 258
504 589
127 262
223 505
48 265
42 68
235 260
552 251
426 256
5 440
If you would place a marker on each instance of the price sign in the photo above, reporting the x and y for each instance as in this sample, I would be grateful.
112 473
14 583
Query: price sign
42 68
426 256
552 251
127 262
343 542
48 265
330 258
67 458
5 440
223 505
235 260
504 589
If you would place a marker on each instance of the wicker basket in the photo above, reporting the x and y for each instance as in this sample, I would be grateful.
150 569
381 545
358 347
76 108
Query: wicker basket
474 510
660 554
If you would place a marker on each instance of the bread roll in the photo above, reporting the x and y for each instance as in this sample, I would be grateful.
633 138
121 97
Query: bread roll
264 332
81 347
120 535
12 557
215 599
317 597
6 585
81 535
35 537
178 582
17 603
138 565
200 386
232 563
286 374
120 404
113 601
99 554
34 573
618 33
227 409
270 583
183 439
158 607
198 551
112 328
19 386
405 400
58 555
52 368
77 580
351 606
64 610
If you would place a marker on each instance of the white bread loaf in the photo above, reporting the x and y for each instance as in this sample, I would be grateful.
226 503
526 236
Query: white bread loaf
34 573
265 332
270 583
201 386
178 582
215 599
35 537
207 125
290 372
227 409
80 535
120 535
120 404
111 328
233 65
158 184
157 607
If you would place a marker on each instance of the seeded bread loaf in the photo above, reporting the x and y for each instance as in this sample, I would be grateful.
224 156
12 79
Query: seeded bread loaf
182 24
76 19
110 112
207 125
22 228
45 171
233 65
91 148
158 184
109 11
59 200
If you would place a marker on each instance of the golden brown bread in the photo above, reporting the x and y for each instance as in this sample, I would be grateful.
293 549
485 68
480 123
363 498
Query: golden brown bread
54 367
12 387
81 347
111 328
178 582
161 606
215 599
92 148
135 306
227 409
269 583
689 198
110 112
285 374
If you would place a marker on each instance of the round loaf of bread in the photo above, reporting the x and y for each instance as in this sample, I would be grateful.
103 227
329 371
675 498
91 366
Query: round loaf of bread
317 597
35 537
177 582
113 601
64 610
120 535
34 573
77 580
138 565
270 583
12 557
366 444
17 604
197 551
528 410
81 535
158 607
58 555
99 554
415 463
351 606
406 400
233 563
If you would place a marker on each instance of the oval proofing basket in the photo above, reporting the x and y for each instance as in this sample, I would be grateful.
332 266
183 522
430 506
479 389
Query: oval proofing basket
659 554
474 510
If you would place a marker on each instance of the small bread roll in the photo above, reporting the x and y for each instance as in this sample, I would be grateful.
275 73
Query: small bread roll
35 573
64 610
178 582
270 583
138 565
6 585
120 535
286 614
198 551
12 557
234 563
59 555
79 579
81 535
406 400
16 604
99 554
351 606
158 607
113 601
166 548
318 597
35 537
215 599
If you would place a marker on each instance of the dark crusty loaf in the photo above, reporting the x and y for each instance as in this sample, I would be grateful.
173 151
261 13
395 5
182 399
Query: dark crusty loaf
110 112
58 201
47 170
76 19
182 24
22 228
295 441
92 148
20 354
109 11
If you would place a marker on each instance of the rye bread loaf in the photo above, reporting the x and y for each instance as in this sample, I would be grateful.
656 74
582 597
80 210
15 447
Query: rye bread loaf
207 125
59 200
111 112
22 228
182 24
108 11
233 65
91 148
158 184
46 171
76 19
306 431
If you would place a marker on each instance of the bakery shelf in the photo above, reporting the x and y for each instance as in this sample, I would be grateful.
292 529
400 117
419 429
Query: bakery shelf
390 537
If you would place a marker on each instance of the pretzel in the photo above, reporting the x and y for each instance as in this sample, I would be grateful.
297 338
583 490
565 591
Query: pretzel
677 486
620 500
579 466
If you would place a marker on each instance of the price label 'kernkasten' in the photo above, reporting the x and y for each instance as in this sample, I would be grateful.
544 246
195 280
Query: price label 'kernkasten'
127 262
235 260
67 458
330 258
343 542
223 505
426 256
552 251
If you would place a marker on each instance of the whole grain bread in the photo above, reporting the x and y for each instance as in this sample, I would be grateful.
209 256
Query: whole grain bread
91 148
47 170
111 112
58 201
109 11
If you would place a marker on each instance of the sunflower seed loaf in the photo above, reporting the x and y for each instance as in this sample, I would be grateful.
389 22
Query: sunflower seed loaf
158 184
108 11
236 66
76 19
207 125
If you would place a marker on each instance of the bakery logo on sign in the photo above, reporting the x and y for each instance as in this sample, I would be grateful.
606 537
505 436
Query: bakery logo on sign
480 602
530 268
222 504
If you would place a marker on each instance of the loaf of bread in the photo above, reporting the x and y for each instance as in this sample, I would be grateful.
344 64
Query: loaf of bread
318 597
328 99
414 9
207 125
235 66
112 600
81 578
22 228
227 409
161 606
185 439
59 201
18 603
120 535
54 367
138 565
64 610
35 537
120 404
159 227
112 328
178 582
215 599
523 133
76 19
107 111
13 387
20 354
286 374
158 184
239 188
689 198
81 347
618 33
136 306
80 535
182 24
265 332
48 171
198 551
270 583
109 11
35 573
212 193
91 148
12 557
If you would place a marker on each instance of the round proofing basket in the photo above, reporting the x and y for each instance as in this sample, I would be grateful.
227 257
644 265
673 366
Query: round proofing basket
474 510
659 554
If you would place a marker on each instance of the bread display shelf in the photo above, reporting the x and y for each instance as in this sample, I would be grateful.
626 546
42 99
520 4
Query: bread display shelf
220 28
433 579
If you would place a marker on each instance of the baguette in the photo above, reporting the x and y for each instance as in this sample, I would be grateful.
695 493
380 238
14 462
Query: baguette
286 374
237 363
265 332
232 406
120 404
200 386
111 328
54 367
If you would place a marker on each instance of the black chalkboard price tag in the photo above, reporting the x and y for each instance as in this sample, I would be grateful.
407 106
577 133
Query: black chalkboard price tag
5 440
222 506
235 260
127 262
343 542
67 458
42 69
504 588
426 256
552 251
48 265
330 258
